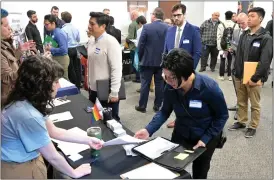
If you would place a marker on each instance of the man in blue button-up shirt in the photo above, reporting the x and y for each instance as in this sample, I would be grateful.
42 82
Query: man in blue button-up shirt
199 106
59 53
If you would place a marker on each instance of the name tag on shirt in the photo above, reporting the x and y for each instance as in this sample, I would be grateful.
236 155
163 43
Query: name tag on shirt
256 44
186 41
97 50
195 104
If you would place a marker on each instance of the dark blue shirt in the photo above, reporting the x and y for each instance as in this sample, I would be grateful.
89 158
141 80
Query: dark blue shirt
61 38
206 122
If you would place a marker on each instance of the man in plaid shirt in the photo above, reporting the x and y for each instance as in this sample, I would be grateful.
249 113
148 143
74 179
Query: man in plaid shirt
208 32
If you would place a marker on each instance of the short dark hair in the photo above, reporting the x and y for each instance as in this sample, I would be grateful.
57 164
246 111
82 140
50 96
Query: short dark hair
179 6
260 11
141 19
66 16
34 83
159 13
111 20
4 13
179 62
50 18
100 17
55 8
30 13
228 15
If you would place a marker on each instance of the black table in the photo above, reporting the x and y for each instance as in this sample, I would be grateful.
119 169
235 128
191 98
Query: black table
113 160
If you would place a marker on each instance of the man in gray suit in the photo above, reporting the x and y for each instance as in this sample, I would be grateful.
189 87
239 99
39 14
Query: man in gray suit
242 22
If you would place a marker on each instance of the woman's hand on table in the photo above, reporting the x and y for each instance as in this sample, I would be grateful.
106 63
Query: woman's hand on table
82 170
95 143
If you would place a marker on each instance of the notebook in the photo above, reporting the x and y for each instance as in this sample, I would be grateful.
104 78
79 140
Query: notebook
249 71
149 171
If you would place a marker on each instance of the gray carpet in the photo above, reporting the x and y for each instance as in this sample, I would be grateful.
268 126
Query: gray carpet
240 158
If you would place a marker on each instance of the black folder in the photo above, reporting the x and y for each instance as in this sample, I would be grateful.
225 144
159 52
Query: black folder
167 159
83 51
103 90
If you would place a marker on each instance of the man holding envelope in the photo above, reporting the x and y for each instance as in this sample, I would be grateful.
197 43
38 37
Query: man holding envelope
252 62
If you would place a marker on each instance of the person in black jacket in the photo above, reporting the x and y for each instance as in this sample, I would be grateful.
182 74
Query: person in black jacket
59 23
255 45
111 30
269 26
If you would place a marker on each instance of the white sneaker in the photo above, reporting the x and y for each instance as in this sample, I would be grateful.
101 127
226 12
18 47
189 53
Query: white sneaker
222 78
229 78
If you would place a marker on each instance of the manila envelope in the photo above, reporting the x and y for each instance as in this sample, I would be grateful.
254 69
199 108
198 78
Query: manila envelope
249 71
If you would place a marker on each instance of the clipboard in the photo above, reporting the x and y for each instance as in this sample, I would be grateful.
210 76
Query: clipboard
83 51
168 159
249 71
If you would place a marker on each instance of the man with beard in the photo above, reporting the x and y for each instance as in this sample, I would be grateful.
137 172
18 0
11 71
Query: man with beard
183 35
9 57
32 31
59 23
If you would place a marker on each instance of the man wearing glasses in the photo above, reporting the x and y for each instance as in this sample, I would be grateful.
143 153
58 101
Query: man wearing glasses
199 106
183 35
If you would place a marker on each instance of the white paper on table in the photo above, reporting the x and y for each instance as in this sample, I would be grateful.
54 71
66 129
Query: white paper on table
69 148
128 149
126 139
58 102
75 157
154 148
61 117
65 83
150 171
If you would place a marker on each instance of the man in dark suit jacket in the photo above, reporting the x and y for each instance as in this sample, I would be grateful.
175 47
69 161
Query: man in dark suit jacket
59 23
151 47
183 35
189 35
114 31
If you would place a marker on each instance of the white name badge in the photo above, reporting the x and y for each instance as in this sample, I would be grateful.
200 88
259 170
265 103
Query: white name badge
186 41
256 44
195 104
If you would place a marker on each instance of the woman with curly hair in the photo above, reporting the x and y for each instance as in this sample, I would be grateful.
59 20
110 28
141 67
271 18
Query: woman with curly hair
26 129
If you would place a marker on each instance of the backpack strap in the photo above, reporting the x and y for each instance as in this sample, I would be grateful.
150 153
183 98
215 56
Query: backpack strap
223 24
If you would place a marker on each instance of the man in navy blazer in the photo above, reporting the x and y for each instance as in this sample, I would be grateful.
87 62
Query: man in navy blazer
183 35
189 35
151 47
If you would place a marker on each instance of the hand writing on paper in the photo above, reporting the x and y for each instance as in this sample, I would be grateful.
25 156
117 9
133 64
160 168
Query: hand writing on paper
95 143
142 134
199 144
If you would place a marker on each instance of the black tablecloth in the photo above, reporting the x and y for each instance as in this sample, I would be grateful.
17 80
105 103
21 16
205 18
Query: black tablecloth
127 63
112 161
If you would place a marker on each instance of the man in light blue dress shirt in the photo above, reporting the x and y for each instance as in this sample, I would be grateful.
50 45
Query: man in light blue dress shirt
73 35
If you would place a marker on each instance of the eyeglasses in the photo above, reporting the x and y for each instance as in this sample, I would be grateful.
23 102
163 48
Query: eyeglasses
177 15
170 79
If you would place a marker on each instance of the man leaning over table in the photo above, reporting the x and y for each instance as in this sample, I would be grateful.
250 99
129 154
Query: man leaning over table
104 61
199 106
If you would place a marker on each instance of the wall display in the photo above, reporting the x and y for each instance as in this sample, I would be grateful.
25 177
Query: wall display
244 6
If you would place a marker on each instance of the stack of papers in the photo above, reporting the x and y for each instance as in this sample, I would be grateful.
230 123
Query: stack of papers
150 171
69 148
65 83
155 148
123 140
128 149
61 117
